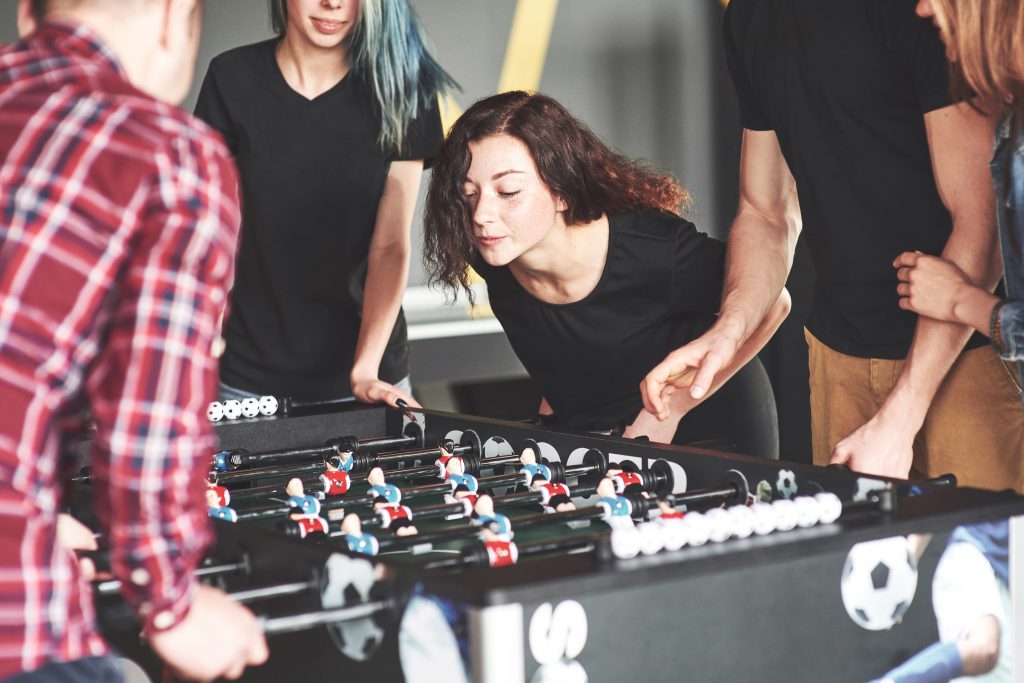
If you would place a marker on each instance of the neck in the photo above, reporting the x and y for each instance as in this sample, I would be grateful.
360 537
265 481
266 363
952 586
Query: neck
567 264
118 32
308 69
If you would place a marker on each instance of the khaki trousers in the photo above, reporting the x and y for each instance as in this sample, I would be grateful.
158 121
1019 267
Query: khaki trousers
974 427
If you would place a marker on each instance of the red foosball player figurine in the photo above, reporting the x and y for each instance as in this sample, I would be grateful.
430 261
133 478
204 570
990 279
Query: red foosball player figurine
624 480
397 519
447 449
336 479
669 513
218 511
554 496
223 495
501 552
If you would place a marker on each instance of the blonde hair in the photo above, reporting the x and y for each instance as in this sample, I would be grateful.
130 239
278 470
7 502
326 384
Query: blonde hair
988 36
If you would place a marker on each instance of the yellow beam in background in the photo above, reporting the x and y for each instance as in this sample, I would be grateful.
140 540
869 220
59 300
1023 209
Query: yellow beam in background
527 49
528 45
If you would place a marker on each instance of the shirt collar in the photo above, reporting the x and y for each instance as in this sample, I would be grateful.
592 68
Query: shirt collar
78 41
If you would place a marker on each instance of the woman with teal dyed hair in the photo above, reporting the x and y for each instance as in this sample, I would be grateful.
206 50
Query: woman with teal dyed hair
332 123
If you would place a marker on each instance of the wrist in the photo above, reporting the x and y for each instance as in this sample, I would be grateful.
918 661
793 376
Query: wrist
973 307
161 615
731 327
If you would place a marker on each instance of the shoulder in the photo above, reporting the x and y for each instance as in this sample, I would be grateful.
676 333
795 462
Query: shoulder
243 59
651 224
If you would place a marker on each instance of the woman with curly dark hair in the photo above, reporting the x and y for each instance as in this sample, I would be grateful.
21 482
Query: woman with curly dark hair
591 271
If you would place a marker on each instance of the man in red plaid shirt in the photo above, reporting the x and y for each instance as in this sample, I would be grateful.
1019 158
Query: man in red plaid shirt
118 225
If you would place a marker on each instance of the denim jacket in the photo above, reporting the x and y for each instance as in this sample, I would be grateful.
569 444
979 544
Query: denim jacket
1008 177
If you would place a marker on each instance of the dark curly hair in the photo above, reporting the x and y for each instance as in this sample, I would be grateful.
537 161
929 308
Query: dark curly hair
572 161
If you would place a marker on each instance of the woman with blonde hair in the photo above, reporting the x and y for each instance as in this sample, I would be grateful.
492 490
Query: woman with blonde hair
985 44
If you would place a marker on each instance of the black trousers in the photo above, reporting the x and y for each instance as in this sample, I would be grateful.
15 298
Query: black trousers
741 413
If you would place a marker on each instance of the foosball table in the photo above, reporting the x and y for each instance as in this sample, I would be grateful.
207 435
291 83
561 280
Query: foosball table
397 544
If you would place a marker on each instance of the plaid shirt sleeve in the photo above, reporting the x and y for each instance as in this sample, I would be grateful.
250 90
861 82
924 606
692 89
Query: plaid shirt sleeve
155 374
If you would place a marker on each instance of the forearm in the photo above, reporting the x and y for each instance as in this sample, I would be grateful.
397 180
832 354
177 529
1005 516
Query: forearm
386 277
758 261
960 141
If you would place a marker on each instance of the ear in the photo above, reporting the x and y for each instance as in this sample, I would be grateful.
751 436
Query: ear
26 22
560 204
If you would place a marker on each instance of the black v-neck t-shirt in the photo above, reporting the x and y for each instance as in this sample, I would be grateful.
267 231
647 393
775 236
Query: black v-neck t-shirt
661 287
845 85
312 176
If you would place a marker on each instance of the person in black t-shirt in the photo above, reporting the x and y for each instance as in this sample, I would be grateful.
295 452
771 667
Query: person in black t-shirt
845 104
589 269
331 124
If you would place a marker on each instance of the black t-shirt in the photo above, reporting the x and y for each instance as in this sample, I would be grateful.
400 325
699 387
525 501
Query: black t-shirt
845 85
312 176
661 287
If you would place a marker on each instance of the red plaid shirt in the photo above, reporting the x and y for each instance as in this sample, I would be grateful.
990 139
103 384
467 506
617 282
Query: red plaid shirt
118 225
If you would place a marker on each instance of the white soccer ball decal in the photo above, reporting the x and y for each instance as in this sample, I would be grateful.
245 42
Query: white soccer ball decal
878 583
785 484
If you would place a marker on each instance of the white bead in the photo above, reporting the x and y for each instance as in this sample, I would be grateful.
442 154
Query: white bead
742 520
625 542
232 409
764 518
698 529
215 411
268 405
829 507
651 537
250 407
807 514
785 514
674 534
719 524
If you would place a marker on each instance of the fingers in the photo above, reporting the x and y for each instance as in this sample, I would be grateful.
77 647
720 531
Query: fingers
840 456
907 258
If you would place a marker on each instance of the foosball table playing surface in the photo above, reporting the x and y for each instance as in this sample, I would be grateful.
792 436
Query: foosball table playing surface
385 545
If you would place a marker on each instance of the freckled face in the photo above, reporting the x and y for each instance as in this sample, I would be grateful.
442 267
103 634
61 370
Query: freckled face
514 211
929 10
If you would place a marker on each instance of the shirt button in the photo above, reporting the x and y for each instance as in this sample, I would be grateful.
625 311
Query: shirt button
163 620
140 577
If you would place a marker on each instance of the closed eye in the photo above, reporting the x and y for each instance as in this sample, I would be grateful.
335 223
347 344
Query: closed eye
508 194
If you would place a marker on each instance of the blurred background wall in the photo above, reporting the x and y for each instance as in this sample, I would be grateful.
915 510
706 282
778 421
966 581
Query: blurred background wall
647 76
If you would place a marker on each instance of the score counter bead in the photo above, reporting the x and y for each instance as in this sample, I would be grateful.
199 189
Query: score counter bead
719 525
742 520
652 538
268 405
807 514
785 514
764 518
829 507
698 529
250 407
215 411
232 409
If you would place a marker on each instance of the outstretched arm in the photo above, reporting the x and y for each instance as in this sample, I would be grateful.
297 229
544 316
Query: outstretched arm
960 139
760 253
386 275
680 402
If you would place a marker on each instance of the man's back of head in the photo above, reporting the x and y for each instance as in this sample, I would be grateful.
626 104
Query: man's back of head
155 41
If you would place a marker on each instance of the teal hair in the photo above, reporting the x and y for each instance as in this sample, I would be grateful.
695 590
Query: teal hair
387 53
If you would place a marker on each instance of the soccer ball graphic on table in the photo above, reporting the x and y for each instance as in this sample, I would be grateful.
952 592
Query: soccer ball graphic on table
879 581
